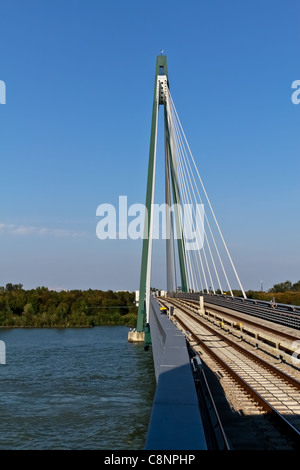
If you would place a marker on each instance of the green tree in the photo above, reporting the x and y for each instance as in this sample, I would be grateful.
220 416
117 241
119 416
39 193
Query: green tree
28 314
282 287
296 287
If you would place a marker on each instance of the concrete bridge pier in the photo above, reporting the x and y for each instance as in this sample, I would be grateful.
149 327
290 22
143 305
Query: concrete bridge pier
136 336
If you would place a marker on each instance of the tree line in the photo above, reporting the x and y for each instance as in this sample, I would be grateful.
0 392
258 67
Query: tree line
286 286
44 308
282 293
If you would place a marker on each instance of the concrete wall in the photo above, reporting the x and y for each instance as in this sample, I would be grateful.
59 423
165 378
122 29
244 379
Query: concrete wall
175 422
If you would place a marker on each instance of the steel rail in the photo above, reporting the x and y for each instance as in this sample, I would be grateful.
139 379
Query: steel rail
248 321
294 433
244 351
288 315
215 428
273 312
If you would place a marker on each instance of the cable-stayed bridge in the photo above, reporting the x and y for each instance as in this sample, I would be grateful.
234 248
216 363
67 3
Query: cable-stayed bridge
197 256
199 262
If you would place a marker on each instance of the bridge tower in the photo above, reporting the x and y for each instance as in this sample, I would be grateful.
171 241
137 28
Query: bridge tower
172 196
203 263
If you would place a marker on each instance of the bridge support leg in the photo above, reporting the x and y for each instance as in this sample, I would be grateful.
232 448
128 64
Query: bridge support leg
136 336
145 278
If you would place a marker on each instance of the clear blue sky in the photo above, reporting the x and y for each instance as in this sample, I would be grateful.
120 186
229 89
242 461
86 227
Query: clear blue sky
75 131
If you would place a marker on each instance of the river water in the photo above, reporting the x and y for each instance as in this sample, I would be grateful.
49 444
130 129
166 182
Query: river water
85 388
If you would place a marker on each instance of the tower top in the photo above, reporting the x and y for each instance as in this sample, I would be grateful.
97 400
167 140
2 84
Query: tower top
161 65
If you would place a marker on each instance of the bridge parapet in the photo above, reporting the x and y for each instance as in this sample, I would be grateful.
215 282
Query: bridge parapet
175 421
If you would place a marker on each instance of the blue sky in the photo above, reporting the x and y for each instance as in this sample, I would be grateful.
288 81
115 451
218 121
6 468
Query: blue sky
75 131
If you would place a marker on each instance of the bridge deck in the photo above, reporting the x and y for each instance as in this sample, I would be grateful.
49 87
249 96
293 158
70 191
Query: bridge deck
175 421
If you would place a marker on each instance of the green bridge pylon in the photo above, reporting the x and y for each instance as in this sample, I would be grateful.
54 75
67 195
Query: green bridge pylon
161 97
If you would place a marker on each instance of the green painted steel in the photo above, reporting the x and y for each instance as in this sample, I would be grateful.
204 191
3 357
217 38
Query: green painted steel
176 199
180 237
161 69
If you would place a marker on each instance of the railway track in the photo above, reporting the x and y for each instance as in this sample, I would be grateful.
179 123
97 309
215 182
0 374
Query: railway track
286 315
263 388
281 342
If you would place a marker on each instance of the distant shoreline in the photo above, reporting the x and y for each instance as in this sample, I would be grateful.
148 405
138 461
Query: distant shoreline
56 327
42 308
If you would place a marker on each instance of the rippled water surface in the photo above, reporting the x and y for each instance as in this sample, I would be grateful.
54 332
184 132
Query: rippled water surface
74 389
